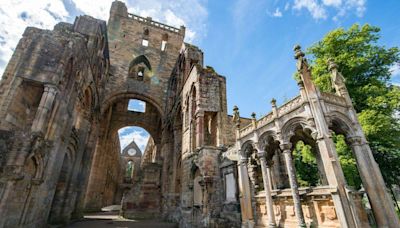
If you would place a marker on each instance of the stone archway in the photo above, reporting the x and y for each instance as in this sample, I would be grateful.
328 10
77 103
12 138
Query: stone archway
105 173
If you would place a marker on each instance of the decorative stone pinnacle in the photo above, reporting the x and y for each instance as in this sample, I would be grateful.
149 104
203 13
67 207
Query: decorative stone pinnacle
273 102
297 52
236 116
332 65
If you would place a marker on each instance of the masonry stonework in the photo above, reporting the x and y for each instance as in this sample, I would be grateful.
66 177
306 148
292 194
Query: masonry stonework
64 96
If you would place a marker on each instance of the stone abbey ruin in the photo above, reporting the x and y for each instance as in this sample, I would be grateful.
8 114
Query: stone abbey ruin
64 96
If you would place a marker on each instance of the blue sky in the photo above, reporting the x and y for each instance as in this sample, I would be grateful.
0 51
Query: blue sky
249 42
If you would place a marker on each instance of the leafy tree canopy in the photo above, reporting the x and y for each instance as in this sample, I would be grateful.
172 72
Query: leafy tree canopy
365 66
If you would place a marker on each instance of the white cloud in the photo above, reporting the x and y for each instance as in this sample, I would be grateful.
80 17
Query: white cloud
313 6
340 8
287 5
127 134
335 3
190 13
277 13
16 15
395 70
99 9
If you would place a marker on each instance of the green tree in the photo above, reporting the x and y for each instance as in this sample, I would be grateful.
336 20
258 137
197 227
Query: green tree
306 165
365 65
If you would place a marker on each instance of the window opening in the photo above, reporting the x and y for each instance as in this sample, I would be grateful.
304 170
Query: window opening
163 45
136 105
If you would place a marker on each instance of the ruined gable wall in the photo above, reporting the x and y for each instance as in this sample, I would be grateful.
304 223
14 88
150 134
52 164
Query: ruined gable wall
126 33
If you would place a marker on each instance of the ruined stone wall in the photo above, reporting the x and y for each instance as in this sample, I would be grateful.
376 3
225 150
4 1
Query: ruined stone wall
64 96
126 33
47 103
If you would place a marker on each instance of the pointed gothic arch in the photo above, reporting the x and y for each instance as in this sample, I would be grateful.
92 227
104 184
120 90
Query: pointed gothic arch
138 60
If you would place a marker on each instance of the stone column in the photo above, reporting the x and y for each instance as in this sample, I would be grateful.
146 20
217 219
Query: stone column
267 188
287 153
46 103
199 129
369 181
245 195
269 174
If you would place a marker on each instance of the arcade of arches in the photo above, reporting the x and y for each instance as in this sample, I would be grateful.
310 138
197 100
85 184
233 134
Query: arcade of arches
65 93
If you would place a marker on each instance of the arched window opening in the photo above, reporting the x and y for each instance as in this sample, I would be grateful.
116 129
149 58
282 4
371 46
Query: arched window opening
254 168
210 128
347 161
164 42
255 173
306 158
140 73
341 132
139 68
275 163
306 165
145 40
129 170
136 134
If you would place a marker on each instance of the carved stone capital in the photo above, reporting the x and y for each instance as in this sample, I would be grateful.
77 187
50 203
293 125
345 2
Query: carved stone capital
261 154
243 161
51 88
269 163
355 140
286 147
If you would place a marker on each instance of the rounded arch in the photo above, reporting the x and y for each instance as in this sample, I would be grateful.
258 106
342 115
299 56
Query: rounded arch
156 136
266 136
88 99
131 142
288 129
128 95
341 124
146 32
247 148
140 59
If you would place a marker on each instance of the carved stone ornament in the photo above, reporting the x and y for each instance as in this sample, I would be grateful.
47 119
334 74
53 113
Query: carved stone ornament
337 78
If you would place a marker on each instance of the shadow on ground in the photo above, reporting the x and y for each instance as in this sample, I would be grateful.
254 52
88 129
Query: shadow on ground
111 219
